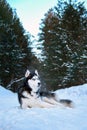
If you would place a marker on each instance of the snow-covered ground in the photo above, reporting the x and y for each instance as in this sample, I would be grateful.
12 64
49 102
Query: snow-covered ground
14 118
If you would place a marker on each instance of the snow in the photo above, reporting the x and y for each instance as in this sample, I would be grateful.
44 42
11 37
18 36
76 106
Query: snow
12 117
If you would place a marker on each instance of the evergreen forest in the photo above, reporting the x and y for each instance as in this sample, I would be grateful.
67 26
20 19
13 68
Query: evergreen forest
63 37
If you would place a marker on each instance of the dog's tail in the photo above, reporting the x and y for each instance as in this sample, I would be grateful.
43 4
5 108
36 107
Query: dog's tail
67 102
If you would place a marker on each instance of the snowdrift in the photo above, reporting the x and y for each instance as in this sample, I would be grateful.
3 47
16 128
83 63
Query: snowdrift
14 118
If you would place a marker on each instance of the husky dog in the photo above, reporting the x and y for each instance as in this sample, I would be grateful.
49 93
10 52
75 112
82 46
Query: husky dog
30 94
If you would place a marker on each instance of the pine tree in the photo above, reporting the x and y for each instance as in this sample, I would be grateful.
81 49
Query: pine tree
73 19
62 43
15 53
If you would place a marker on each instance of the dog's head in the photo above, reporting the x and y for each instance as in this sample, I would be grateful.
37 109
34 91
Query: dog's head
33 80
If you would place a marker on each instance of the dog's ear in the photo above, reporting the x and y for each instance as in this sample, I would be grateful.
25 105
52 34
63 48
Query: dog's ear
27 73
36 72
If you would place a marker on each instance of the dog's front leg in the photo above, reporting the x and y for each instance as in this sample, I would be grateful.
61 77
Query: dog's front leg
25 103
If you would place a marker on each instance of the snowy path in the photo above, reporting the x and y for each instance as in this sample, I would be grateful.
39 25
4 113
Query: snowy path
14 118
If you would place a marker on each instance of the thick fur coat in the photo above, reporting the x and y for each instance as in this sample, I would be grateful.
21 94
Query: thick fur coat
29 94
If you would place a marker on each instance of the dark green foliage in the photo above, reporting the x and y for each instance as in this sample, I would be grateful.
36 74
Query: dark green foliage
15 53
64 37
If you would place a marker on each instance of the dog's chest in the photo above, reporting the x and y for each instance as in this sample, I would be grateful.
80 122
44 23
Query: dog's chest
31 95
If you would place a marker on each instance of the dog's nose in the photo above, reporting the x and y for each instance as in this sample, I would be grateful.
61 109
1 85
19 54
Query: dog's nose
39 84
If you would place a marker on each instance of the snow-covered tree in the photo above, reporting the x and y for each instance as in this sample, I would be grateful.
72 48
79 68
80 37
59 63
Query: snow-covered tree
63 34
15 53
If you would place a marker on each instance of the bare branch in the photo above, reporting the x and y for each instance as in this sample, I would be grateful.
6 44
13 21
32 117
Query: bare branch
14 81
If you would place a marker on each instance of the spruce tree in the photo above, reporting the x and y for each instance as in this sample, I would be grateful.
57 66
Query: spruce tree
15 53
63 47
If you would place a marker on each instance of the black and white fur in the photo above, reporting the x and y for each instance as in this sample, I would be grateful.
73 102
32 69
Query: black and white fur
29 95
